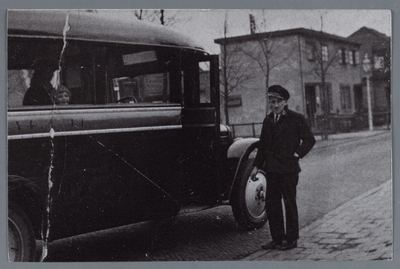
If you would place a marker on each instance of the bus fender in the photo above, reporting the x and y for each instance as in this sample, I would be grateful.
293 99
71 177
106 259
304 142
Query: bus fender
239 146
241 150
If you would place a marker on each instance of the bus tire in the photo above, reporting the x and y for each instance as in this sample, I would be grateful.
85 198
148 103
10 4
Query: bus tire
248 199
21 236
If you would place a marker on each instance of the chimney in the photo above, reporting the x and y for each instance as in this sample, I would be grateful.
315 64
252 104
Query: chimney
252 24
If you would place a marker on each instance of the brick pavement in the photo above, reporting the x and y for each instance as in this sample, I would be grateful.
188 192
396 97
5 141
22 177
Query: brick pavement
359 230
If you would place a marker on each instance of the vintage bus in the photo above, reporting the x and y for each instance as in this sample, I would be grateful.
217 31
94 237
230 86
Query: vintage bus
139 140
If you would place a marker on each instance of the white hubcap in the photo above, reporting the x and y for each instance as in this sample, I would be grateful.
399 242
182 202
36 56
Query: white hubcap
255 196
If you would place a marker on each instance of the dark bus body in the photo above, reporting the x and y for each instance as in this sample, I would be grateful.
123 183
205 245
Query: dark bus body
140 139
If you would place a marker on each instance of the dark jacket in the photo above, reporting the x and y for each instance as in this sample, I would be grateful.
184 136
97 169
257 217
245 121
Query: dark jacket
279 142
39 93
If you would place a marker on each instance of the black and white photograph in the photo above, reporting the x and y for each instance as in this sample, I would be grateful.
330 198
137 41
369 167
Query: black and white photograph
169 135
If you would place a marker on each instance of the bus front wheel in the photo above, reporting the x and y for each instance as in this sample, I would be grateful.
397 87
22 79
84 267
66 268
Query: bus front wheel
248 199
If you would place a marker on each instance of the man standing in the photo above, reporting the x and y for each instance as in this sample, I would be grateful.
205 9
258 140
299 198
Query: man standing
285 137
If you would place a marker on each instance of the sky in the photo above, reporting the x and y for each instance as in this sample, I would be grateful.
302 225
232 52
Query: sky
207 25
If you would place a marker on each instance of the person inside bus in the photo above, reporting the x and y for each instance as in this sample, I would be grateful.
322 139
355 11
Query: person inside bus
41 90
62 96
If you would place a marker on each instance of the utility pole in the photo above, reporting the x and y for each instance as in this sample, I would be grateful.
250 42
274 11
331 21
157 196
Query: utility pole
324 88
367 70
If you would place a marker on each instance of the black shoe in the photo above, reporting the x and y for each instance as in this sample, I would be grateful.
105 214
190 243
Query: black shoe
272 245
286 245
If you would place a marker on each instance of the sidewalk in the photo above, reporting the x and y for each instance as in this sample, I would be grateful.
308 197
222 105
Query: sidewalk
359 230
365 133
334 139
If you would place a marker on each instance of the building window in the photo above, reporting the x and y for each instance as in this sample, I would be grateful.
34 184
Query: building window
356 57
343 58
324 52
351 57
340 56
379 62
346 55
310 47
345 96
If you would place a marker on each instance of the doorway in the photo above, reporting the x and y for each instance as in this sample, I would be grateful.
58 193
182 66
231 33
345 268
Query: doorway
311 105
358 99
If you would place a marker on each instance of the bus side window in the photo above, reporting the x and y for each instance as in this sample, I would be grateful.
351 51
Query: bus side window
204 83
77 76
18 83
72 80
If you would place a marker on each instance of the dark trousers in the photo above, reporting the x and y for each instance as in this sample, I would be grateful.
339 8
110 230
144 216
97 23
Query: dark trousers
282 186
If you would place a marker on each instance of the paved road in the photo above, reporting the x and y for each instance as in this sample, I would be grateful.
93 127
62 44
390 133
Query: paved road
207 235
332 175
359 230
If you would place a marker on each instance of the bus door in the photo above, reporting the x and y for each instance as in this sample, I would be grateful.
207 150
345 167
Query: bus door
200 122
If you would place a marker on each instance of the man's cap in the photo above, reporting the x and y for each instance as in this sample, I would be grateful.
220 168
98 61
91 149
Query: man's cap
278 91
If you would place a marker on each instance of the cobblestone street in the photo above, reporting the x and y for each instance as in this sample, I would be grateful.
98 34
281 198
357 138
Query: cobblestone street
351 221
208 235
360 229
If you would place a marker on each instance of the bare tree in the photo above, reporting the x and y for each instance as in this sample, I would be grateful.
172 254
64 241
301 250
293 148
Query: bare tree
234 71
164 17
323 59
159 15
267 53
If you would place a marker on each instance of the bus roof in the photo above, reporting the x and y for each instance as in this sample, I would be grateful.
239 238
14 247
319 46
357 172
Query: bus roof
115 26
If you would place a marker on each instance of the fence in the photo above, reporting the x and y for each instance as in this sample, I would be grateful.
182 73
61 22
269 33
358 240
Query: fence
354 123
337 124
252 129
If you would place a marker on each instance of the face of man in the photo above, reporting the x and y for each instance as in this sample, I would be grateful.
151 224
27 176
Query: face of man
277 105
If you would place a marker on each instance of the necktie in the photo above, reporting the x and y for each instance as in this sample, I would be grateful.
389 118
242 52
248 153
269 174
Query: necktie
276 118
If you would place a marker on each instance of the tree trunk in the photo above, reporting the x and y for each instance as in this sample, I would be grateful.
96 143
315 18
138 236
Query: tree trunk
266 93
226 87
